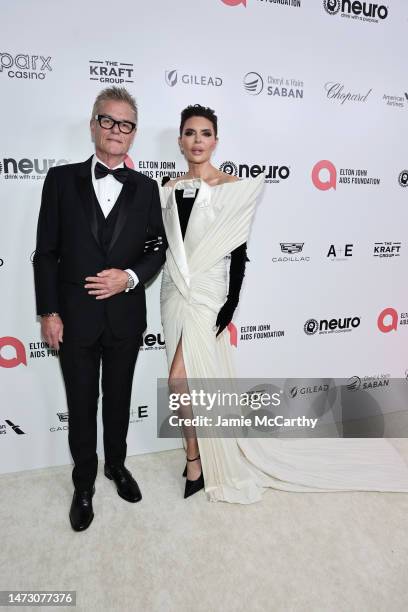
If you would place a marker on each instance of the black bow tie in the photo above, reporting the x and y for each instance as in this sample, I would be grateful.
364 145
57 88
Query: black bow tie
120 174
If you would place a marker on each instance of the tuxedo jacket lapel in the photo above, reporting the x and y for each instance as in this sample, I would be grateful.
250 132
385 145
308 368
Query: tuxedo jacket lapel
87 194
125 199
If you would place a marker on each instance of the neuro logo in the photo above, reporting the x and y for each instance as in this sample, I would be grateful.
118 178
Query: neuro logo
403 178
331 6
171 77
229 168
253 83
321 182
387 320
311 326
356 9
20 353
15 428
234 2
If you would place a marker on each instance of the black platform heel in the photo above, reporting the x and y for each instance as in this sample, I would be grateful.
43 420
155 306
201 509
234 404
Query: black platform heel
193 486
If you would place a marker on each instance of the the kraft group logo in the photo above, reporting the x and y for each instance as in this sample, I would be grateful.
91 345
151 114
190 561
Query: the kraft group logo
18 356
327 179
107 71
234 2
253 83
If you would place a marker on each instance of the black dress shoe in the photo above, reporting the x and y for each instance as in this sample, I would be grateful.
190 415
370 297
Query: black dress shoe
125 483
81 512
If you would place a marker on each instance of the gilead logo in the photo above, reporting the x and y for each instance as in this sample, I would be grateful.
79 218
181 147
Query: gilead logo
20 353
320 181
387 320
234 2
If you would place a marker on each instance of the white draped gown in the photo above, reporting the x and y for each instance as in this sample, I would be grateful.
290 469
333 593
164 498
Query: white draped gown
194 287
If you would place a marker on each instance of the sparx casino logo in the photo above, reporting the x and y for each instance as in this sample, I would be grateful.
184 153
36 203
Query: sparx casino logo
23 66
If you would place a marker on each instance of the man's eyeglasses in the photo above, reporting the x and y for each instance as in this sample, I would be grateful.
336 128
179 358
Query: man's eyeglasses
107 123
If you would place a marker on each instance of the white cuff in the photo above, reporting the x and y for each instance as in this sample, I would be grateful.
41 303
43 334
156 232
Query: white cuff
134 276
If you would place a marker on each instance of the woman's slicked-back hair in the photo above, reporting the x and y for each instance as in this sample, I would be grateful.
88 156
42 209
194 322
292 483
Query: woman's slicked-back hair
196 110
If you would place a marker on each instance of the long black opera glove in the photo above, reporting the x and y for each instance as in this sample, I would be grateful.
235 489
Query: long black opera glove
237 273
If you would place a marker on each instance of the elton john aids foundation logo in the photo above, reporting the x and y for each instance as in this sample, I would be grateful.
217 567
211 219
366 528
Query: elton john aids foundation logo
324 175
10 358
387 320
234 2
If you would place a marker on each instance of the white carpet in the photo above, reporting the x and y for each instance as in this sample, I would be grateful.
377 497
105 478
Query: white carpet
317 552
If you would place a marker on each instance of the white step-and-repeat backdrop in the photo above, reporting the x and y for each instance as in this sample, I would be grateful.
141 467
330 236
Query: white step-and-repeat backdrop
313 91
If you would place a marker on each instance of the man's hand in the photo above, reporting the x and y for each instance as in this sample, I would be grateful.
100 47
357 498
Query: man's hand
107 283
52 330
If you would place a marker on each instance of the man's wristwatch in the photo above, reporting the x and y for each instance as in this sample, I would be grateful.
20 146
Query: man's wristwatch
130 282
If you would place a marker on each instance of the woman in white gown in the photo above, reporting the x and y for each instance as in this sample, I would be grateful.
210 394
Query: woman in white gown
194 290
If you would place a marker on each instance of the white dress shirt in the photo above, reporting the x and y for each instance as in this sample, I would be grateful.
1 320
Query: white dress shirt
107 191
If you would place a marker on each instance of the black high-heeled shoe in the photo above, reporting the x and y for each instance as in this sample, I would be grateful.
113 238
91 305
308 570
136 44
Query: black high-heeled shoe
185 472
192 486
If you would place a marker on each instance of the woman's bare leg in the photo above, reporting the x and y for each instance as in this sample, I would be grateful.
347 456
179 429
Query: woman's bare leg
178 384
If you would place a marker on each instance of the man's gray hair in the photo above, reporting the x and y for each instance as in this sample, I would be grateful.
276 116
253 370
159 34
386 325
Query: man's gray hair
119 94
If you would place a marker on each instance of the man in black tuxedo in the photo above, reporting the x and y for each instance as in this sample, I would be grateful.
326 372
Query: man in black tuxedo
99 240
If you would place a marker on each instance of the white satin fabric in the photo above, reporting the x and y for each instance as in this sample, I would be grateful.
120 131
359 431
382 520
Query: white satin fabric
194 287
